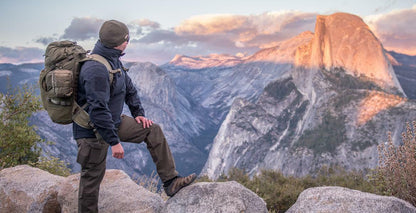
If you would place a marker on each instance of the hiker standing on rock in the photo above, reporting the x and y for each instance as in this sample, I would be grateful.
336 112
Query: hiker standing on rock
104 104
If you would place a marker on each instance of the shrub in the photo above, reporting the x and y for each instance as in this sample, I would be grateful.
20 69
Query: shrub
397 166
18 139
278 191
52 165
338 176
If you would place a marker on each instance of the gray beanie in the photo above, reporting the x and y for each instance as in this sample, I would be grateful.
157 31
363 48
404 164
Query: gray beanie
113 33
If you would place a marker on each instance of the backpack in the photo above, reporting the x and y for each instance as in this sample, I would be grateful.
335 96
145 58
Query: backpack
58 82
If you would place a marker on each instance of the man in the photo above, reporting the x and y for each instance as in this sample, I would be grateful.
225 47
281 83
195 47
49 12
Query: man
104 104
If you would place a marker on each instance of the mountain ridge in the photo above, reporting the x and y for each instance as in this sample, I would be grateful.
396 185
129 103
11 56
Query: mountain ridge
194 101
323 109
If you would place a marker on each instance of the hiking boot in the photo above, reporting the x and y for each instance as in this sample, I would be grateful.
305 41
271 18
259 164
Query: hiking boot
179 183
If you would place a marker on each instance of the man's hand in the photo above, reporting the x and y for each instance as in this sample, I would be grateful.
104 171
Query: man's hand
146 122
118 151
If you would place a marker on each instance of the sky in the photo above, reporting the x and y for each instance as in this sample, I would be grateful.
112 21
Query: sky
161 29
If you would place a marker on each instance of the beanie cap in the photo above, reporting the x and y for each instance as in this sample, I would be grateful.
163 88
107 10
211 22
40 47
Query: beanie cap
113 33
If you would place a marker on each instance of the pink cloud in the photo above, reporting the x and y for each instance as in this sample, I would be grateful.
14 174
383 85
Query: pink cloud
396 30
21 55
210 24
249 31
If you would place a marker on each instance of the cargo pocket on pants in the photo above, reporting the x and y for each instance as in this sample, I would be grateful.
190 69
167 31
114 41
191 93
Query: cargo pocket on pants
91 151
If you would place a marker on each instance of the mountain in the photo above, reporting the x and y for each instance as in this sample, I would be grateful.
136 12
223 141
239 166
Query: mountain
335 106
344 40
405 69
12 75
326 97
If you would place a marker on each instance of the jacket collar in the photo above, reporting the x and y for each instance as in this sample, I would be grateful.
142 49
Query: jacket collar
111 54
105 51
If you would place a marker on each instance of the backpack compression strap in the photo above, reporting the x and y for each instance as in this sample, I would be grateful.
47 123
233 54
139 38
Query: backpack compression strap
81 117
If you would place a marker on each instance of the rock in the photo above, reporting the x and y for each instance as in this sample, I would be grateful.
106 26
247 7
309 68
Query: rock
339 199
118 193
344 40
215 197
27 189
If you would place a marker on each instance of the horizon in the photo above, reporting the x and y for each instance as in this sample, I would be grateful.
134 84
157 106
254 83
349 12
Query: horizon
159 32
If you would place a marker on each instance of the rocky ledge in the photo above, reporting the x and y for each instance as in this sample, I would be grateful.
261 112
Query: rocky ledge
27 189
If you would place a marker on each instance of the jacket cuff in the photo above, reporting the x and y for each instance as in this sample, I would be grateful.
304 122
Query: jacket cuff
113 143
138 113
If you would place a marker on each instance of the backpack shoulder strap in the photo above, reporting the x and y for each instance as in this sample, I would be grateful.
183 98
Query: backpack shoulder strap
107 65
79 115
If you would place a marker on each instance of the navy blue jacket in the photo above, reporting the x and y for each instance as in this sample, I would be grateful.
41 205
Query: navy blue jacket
105 101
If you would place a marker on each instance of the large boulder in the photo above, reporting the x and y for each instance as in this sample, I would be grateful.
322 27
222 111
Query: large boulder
215 197
339 199
118 193
27 189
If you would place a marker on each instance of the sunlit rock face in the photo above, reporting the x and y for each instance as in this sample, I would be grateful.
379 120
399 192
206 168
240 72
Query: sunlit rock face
336 104
344 40
284 51
374 103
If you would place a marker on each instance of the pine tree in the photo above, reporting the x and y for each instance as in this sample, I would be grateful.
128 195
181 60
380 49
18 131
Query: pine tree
17 138
19 142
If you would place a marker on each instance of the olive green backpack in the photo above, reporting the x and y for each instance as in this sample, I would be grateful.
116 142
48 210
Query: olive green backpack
58 82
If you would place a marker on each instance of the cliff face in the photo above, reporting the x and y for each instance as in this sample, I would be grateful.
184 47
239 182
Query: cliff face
333 108
344 40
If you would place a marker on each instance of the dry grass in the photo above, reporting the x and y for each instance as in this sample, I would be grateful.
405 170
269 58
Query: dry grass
152 184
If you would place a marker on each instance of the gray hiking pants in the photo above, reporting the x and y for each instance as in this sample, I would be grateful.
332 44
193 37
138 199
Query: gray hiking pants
92 155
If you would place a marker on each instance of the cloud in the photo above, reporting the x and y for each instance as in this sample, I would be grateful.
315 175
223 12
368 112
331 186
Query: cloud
220 33
256 30
45 40
210 24
82 28
396 30
21 55
161 35
147 23
249 31
387 5
198 35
